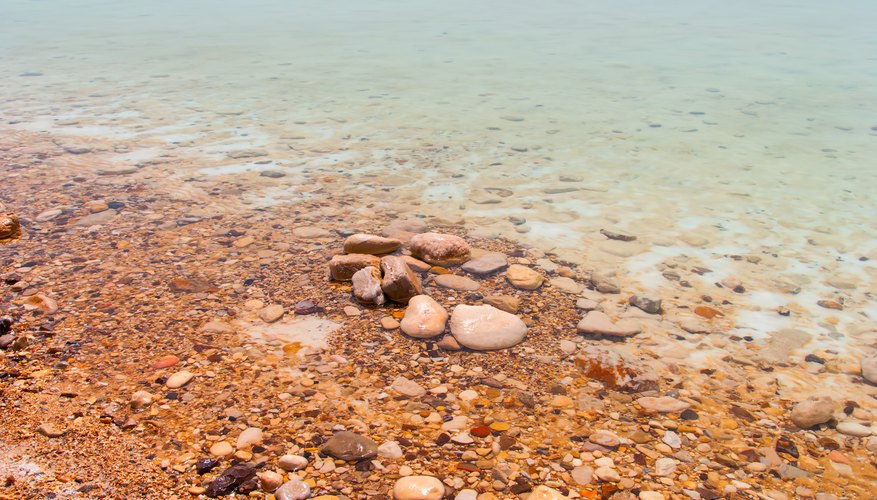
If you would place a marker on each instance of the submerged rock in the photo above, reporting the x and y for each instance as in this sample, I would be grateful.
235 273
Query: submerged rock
869 369
486 328
647 304
439 249
487 264
456 282
663 404
346 446
10 227
605 281
418 488
598 322
813 411
523 277
615 370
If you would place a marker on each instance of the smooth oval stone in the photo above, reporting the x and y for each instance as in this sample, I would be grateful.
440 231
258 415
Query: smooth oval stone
407 387
294 489
221 449
166 362
487 264
271 313
598 322
418 488
424 318
456 282
486 328
813 411
179 379
439 249
663 404
367 286
370 244
249 437
347 445
853 429
543 492
523 277
869 369
291 463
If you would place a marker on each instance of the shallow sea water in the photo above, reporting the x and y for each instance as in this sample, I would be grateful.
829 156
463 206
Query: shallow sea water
706 128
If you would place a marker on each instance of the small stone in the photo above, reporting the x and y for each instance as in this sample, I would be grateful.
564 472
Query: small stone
486 264
567 285
543 492
294 489
651 495
311 233
869 369
10 226
815 410
292 462
390 450
505 303
614 235
607 474
229 480
347 446
605 281
582 475
205 465
271 313
830 304
616 370
367 286
399 284
416 265
524 278
389 323
439 249
663 404
485 328
649 305
605 439
306 306
270 480
424 318
179 379
221 449
370 244
853 429
672 440
166 362
141 399
599 323
407 387
587 304
50 431
41 302
449 343
343 267
249 437
456 282
665 467
418 488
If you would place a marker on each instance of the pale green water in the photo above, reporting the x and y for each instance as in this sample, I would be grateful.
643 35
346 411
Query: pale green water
752 124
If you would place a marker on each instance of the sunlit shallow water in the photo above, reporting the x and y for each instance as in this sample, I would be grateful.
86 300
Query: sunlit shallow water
706 128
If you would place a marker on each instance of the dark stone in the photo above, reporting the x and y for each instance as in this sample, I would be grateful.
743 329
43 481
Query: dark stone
5 325
785 445
205 465
229 480
442 438
742 413
306 307
273 174
251 484
651 306
706 494
617 236
812 358
689 415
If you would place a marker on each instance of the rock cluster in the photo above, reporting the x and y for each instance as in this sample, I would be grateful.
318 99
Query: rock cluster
10 227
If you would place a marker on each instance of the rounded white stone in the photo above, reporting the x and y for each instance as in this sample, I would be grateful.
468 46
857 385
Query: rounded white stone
486 328
424 317
418 488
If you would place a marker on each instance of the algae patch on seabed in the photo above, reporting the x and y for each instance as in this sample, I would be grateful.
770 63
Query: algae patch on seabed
295 336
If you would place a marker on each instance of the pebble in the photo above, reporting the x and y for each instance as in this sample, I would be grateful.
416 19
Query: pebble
345 445
221 449
456 282
229 480
524 278
485 328
605 281
567 285
141 399
407 387
439 249
367 286
599 323
869 369
665 466
249 437
467 494
505 303
616 370
50 430
424 318
449 343
607 474
400 283
343 267
294 489
543 492
488 263
853 429
271 313
41 302
416 265
605 438
370 244
390 450
166 362
389 323
582 475
587 304
814 410
662 404
270 480
672 440
651 495
179 379
291 463
647 304
418 488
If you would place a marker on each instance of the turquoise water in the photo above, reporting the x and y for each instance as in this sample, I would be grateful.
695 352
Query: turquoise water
706 128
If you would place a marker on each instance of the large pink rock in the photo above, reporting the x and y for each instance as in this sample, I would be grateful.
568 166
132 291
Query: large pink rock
439 249
370 244
486 328
367 286
424 318
343 267
399 283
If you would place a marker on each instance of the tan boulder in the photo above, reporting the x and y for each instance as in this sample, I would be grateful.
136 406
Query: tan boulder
343 267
